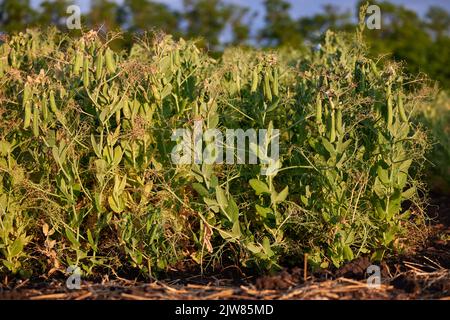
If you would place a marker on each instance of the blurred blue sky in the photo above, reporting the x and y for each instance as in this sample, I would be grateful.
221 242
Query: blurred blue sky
308 7
299 7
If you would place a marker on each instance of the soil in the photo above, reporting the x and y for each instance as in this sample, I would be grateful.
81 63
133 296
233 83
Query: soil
423 274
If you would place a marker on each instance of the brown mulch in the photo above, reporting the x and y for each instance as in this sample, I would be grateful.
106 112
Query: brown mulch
424 274
341 288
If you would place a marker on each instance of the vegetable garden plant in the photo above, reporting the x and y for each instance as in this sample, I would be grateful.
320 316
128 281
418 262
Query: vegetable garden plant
86 176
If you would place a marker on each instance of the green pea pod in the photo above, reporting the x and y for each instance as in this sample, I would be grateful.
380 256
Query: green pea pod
373 66
319 109
118 116
110 64
27 94
27 118
401 108
36 121
99 66
13 59
339 127
275 82
360 77
53 106
254 80
269 73
356 71
86 72
78 64
362 86
267 90
82 44
1 68
389 118
177 58
333 127
44 108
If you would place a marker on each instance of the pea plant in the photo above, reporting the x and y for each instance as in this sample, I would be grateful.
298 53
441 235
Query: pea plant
87 176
